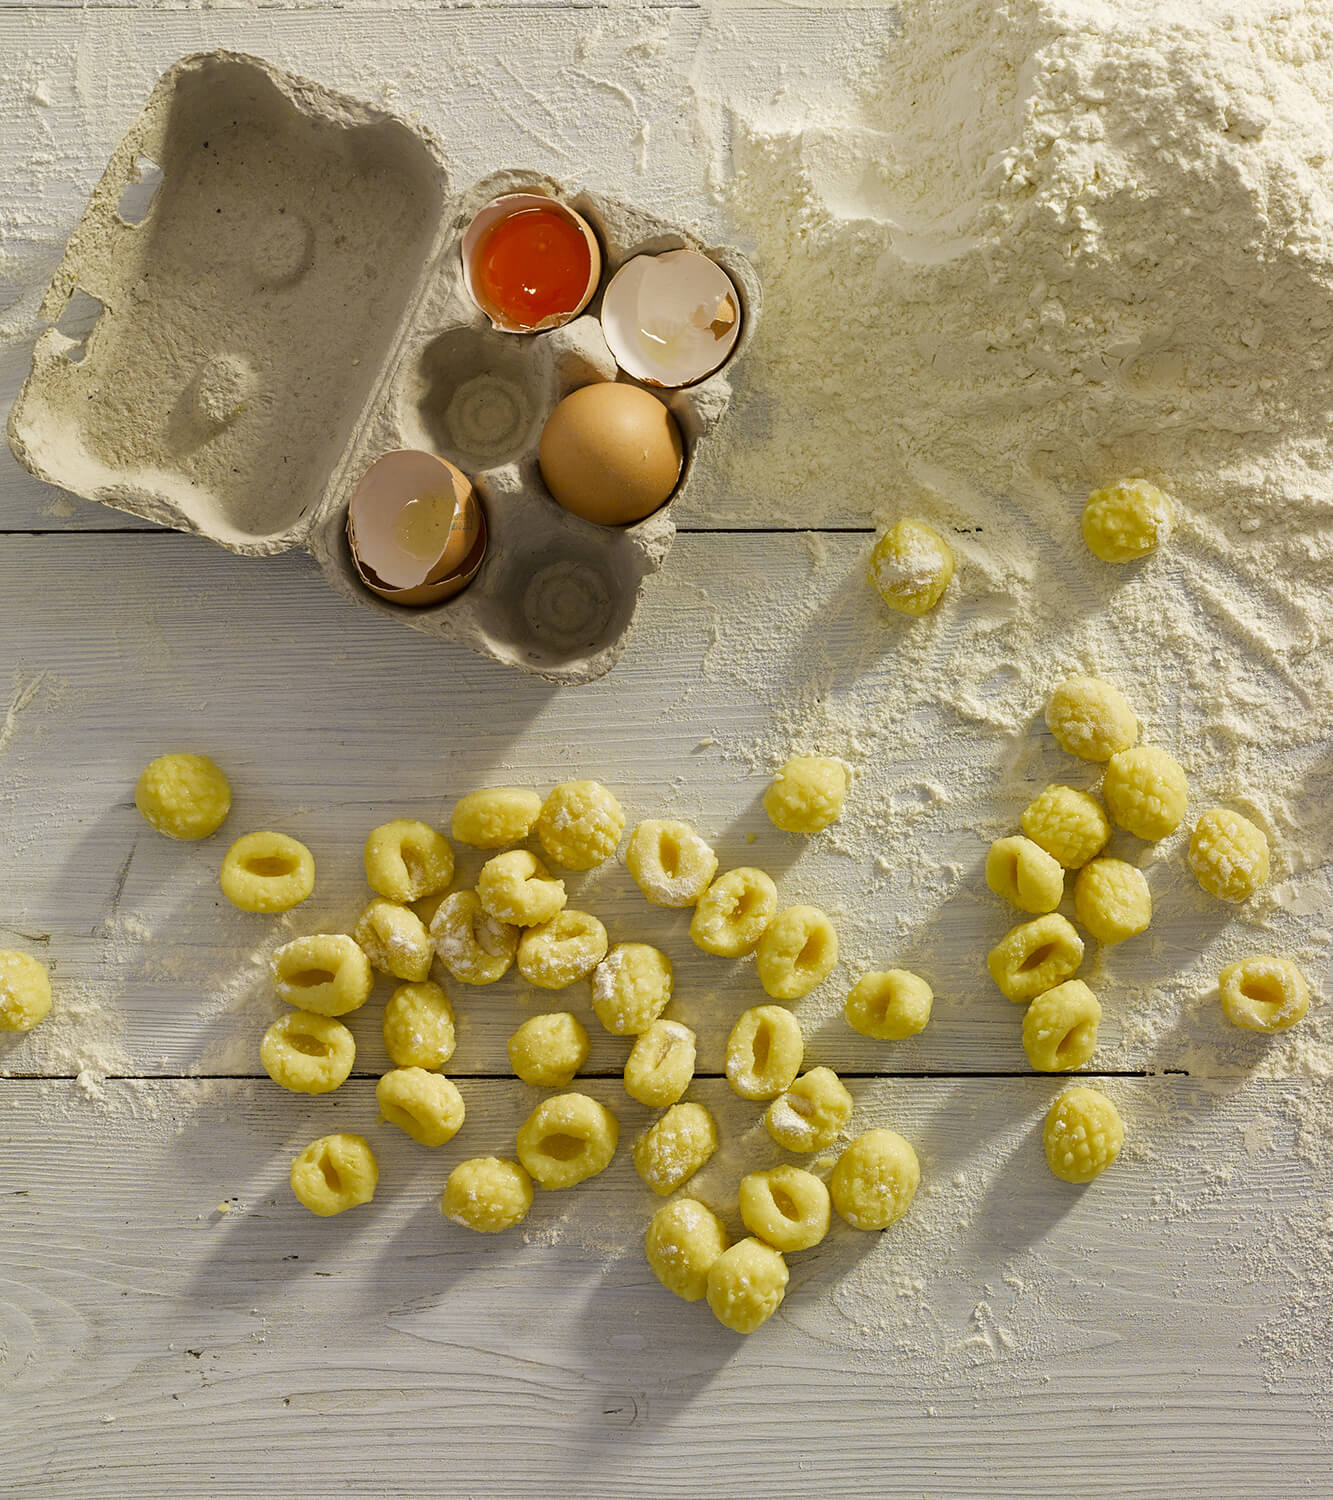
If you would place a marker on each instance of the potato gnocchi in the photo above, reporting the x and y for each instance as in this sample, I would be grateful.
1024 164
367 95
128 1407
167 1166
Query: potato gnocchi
796 953
495 817
267 872
580 824
470 944
889 1006
1091 719
733 912
307 1053
674 1147
326 972
488 1194
565 949
1112 900
1263 993
670 863
807 794
660 1065
1035 956
1068 824
746 1285
25 991
875 1180
785 1207
684 1241
1025 875
395 940
335 1173
1146 791
631 987
418 1026
1083 1135
764 1052
810 1114
1060 1027
1228 854
406 860
567 1139
547 1051
183 795
518 889
427 1106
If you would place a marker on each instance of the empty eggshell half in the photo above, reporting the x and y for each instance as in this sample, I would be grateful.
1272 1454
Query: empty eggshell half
474 240
671 319
416 530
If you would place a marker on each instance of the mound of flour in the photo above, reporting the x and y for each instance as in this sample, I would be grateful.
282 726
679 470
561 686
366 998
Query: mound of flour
1048 243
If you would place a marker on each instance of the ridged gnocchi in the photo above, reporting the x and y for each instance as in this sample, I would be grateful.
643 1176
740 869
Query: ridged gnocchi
1083 1135
1091 718
183 795
1112 900
1146 791
1068 824
1228 854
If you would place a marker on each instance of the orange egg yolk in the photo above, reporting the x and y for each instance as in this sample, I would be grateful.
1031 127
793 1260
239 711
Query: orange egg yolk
532 265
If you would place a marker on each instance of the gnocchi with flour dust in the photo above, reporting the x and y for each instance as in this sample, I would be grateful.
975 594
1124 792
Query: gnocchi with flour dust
567 948
807 794
684 1240
746 1285
488 1194
580 824
674 1147
25 991
471 945
631 987
910 567
670 863
183 795
495 817
395 940
733 912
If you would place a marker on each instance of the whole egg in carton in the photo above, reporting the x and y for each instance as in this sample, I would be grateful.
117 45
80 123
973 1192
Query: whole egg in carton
291 309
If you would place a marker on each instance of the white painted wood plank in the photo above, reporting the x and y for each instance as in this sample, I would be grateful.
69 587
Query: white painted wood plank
331 720
1011 1336
610 118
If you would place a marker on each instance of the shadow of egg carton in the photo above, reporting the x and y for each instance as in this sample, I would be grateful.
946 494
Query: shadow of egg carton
288 306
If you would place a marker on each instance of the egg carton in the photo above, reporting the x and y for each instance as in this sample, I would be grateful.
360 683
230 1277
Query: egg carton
291 305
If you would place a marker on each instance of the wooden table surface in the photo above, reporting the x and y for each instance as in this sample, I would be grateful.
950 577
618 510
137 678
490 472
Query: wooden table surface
172 1323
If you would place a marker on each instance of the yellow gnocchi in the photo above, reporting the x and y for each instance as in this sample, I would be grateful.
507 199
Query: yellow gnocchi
631 987
567 948
683 1241
335 1173
1035 956
25 991
1060 1027
547 1051
395 940
1091 718
810 1114
1228 854
307 1053
890 1005
1068 824
488 1194
660 1065
1025 875
670 863
1126 520
1263 993
674 1147
326 973
1146 791
746 1285
764 1052
427 1106
473 946
1083 1135
786 1207
1112 900
797 952
267 872
406 860
807 794
580 824
733 912
567 1139
517 888
875 1180
495 817
910 567
183 795
418 1026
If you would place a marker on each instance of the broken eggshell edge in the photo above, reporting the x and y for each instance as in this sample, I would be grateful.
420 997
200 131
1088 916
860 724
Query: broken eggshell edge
405 472
501 208
619 320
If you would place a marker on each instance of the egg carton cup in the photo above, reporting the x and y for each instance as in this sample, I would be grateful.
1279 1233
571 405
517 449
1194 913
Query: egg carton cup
290 306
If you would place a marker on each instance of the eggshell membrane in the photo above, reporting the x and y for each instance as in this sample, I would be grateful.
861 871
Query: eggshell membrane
392 480
611 453
502 208
680 286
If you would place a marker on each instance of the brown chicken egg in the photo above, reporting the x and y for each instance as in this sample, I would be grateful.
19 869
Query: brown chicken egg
611 453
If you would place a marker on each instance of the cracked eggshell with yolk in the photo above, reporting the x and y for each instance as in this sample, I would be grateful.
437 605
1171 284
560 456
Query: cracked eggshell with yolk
415 528
611 453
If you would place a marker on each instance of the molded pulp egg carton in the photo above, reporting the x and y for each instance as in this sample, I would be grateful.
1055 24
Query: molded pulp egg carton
290 306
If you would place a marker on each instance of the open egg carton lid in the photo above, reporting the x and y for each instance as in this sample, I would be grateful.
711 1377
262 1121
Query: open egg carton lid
289 307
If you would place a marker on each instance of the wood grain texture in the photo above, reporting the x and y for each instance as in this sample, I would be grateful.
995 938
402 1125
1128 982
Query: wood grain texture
1011 1336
